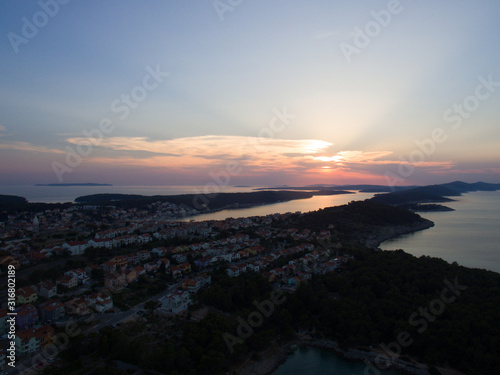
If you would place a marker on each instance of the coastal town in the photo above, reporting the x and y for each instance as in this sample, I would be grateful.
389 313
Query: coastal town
103 266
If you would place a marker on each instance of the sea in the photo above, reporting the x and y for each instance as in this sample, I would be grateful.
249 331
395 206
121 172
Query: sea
470 235
313 361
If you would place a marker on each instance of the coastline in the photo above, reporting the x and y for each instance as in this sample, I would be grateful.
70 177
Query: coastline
373 241
276 356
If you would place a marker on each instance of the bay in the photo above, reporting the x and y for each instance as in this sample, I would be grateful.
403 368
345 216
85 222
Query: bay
469 235
313 361
303 205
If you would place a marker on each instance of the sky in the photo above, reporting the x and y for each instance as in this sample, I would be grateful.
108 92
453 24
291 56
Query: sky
260 92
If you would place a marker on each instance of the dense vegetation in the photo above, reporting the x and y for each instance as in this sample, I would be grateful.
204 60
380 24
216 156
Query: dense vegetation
369 304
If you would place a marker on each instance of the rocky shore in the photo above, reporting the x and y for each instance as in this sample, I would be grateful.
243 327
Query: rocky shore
375 239
372 359
273 358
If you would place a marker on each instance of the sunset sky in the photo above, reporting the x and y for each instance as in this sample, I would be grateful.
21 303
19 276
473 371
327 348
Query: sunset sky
267 92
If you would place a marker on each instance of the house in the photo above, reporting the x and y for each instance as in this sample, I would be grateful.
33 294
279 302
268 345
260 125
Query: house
185 267
47 289
77 306
101 302
67 281
132 258
140 270
32 340
120 261
27 316
51 310
253 267
233 271
203 262
115 282
26 295
176 271
151 267
160 251
279 272
143 255
109 267
79 273
294 282
99 243
180 258
131 276
76 247
175 303
191 285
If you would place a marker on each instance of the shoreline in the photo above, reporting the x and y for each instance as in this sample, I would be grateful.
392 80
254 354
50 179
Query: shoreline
272 361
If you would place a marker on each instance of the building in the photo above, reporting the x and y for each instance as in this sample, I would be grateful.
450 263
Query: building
26 295
27 316
51 311
31 340
76 247
175 303
47 289
67 281
77 306
191 285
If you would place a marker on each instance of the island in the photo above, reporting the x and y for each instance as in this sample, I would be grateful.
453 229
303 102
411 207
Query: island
75 184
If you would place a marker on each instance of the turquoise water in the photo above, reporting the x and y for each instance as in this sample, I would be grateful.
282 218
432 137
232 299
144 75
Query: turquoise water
314 361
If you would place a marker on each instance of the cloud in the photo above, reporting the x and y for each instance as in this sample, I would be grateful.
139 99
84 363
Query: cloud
213 147
273 157
25 146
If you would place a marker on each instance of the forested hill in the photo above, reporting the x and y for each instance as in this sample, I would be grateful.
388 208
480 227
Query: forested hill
212 201
364 222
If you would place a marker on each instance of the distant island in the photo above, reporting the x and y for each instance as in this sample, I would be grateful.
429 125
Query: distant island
360 188
75 184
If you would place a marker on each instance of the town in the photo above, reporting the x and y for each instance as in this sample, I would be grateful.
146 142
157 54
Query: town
104 266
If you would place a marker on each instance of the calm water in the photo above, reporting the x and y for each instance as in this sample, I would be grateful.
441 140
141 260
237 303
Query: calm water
470 235
303 205
313 361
